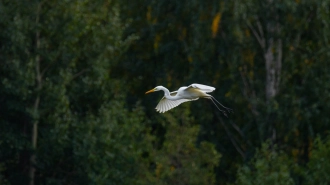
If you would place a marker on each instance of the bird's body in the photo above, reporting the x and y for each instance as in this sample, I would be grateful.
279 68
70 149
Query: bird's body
184 94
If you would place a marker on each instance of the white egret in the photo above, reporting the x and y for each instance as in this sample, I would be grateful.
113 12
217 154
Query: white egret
184 94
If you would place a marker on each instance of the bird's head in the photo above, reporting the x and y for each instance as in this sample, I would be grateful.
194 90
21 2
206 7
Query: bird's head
158 88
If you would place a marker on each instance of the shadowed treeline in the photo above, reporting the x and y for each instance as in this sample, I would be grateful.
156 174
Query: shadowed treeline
74 73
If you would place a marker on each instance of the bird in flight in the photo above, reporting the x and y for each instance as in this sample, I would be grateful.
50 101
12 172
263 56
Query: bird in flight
184 94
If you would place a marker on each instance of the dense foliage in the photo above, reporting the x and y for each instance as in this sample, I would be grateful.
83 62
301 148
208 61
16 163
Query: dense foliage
73 76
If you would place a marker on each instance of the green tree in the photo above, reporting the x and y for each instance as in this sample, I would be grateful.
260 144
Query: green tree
72 70
58 89
318 167
178 158
268 166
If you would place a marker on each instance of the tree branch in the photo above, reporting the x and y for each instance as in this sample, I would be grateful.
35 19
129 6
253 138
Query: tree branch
238 149
249 93
260 38
78 74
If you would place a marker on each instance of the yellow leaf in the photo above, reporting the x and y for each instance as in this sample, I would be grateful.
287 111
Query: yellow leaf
183 34
158 170
251 74
295 152
149 14
248 56
156 42
291 48
190 59
310 146
247 33
215 24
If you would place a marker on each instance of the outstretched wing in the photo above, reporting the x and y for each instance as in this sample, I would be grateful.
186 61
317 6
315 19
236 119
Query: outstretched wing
165 104
204 88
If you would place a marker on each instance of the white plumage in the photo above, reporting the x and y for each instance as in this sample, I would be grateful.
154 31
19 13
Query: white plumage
184 94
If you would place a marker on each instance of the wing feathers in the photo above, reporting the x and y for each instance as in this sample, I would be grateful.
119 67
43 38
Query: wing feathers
204 88
165 104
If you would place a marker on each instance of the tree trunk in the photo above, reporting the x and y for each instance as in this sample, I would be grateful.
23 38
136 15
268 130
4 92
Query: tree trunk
271 45
32 169
273 64
273 61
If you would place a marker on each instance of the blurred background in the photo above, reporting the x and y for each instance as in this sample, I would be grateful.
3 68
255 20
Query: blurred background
73 76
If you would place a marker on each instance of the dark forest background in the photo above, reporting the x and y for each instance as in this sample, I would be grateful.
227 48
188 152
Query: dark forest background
73 76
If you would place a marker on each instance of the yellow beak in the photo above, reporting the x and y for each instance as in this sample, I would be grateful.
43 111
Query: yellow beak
152 90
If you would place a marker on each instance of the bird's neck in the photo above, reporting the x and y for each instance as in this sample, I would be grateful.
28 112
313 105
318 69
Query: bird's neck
168 95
